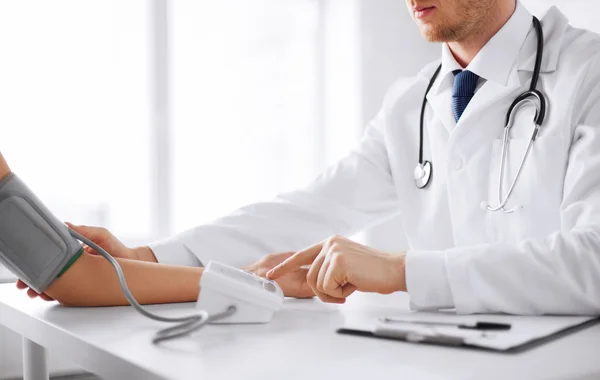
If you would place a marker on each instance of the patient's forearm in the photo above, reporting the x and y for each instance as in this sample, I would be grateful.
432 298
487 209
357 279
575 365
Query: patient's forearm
92 281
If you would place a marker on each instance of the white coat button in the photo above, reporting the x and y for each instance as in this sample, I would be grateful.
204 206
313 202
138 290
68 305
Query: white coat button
459 163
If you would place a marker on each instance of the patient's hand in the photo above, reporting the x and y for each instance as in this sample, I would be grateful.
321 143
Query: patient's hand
105 239
111 244
31 293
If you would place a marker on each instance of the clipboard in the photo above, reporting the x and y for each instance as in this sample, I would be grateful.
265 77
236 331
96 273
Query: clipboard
447 329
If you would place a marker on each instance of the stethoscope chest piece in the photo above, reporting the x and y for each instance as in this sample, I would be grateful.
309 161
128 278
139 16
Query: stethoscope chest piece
422 174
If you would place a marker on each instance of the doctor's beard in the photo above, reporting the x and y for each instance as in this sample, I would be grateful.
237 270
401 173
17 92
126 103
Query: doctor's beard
454 20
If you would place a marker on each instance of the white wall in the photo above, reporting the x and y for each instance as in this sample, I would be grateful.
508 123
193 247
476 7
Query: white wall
581 13
391 48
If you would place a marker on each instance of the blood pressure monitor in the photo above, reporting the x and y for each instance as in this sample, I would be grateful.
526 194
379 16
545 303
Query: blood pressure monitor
256 299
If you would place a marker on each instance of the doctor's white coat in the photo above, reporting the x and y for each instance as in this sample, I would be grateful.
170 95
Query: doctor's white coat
543 258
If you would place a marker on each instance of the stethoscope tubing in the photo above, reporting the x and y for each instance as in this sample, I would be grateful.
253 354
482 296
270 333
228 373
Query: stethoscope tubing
532 96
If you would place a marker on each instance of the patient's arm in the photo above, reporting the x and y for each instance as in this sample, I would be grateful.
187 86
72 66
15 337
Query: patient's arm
92 281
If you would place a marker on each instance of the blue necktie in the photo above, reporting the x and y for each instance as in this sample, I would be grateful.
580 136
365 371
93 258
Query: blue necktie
463 91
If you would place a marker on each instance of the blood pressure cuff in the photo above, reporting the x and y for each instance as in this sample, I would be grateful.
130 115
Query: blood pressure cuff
34 245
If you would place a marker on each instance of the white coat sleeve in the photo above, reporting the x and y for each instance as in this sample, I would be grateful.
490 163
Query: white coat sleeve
557 274
352 194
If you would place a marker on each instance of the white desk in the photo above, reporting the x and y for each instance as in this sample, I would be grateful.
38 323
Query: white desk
299 343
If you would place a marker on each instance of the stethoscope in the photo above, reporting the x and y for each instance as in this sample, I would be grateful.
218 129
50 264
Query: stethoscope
424 169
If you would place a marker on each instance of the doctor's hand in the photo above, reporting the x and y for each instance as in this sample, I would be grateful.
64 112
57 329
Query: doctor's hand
293 283
339 267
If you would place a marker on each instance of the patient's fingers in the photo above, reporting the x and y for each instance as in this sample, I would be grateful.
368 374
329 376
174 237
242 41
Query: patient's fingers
21 285
46 297
32 293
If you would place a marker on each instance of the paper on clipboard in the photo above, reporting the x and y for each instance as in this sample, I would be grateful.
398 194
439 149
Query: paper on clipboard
524 329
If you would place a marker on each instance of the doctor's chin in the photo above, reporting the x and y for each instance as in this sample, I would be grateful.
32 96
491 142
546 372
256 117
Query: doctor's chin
300 189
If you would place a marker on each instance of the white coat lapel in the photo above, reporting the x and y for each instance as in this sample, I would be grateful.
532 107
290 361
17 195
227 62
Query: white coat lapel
439 97
441 103
485 116
554 26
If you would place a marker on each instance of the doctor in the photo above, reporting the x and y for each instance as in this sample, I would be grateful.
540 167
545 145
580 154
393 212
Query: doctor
495 223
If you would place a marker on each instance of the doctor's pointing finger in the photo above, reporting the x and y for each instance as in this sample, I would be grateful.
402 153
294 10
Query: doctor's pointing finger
339 266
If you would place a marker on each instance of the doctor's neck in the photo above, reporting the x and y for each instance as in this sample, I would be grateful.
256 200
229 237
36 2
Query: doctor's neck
465 25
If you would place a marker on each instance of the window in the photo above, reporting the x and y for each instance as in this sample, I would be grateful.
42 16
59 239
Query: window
245 103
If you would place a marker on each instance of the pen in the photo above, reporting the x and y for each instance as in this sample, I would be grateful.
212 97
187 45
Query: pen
472 326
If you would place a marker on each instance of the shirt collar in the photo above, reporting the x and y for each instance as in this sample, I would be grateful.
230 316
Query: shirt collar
495 61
